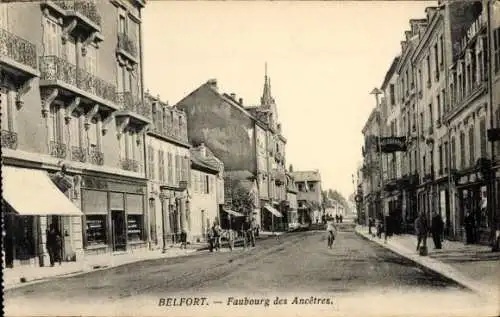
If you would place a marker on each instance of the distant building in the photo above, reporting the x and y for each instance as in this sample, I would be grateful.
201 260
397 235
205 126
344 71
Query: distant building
308 195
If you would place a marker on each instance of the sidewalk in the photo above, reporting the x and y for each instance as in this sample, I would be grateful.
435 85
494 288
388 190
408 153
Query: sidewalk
472 266
12 276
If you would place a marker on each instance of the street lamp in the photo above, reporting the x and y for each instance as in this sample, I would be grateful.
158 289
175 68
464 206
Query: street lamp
376 91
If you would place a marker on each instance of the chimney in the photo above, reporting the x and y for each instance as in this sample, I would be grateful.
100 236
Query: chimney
233 96
213 83
241 101
203 150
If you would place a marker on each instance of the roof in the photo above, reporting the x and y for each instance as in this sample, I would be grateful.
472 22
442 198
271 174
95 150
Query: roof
197 161
301 176
390 72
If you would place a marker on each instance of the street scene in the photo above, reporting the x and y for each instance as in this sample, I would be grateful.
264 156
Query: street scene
165 158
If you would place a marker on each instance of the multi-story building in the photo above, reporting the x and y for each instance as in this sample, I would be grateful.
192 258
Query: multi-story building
81 62
168 166
240 136
309 198
466 119
205 191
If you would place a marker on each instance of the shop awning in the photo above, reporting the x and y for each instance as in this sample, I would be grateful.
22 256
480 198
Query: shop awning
273 210
31 192
234 213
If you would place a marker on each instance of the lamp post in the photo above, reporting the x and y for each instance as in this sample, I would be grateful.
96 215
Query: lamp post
377 92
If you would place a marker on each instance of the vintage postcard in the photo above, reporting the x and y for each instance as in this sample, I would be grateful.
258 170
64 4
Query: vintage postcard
250 158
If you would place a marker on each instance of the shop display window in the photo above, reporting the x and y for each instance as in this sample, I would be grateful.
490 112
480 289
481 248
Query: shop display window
96 229
135 227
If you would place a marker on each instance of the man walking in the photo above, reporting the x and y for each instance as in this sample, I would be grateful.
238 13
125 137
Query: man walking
421 230
437 227
248 234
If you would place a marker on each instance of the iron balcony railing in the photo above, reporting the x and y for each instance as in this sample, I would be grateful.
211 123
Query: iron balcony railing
18 49
9 139
56 68
130 165
57 149
87 8
126 44
78 154
96 157
131 102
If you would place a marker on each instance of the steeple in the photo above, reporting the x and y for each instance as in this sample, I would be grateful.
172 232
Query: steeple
266 99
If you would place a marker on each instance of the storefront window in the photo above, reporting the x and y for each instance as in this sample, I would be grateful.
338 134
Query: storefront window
135 226
96 230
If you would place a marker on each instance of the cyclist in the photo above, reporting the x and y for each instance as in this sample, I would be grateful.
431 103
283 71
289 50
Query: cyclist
330 228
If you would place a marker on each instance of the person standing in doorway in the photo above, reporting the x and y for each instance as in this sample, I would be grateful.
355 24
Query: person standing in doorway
54 243
421 229
469 227
437 228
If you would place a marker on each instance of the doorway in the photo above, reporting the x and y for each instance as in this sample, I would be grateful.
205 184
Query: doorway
119 230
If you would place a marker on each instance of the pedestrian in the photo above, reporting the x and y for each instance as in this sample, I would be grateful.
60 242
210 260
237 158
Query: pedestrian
248 234
469 227
380 227
421 230
437 228
337 218
341 218
370 225
183 239
54 244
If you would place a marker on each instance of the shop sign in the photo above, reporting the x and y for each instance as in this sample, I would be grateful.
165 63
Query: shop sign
393 144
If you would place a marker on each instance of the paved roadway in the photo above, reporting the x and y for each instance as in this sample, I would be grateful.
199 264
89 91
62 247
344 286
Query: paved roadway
296 263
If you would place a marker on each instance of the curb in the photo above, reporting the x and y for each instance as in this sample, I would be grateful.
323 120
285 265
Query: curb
446 275
93 268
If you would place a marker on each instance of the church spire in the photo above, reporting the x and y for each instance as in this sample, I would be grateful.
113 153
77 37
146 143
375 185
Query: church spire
266 99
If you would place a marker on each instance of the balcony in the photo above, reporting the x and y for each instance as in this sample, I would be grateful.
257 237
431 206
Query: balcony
57 149
18 55
78 154
9 139
71 82
80 18
96 157
129 165
126 50
132 107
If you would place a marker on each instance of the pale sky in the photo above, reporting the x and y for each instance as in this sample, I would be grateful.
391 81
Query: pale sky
323 59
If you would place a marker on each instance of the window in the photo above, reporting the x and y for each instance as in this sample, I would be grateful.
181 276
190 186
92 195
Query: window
441 44
122 24
161 166
75 130
170 169
471 146
207 184
436 61
94 135
95 229
150 162
91 60
482 136
496 49
4 18
177 168
392 96
444 105
462 149
453 153
421 122
440 151
424 165
56 123
428 60
431 117
134 227
52 34
446 162
7 100
439 110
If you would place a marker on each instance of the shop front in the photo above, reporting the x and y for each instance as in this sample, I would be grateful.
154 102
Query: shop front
271 217
32 202
114 214
444 207
472 221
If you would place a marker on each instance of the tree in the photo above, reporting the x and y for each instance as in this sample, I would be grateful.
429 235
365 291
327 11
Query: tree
238 197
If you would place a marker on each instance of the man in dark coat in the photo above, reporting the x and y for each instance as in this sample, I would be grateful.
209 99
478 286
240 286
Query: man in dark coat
437 228
421 230
54 244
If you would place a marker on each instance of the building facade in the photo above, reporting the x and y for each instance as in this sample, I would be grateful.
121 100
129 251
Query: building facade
168 166
445 110
73 98
247 140
309 198
206 190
